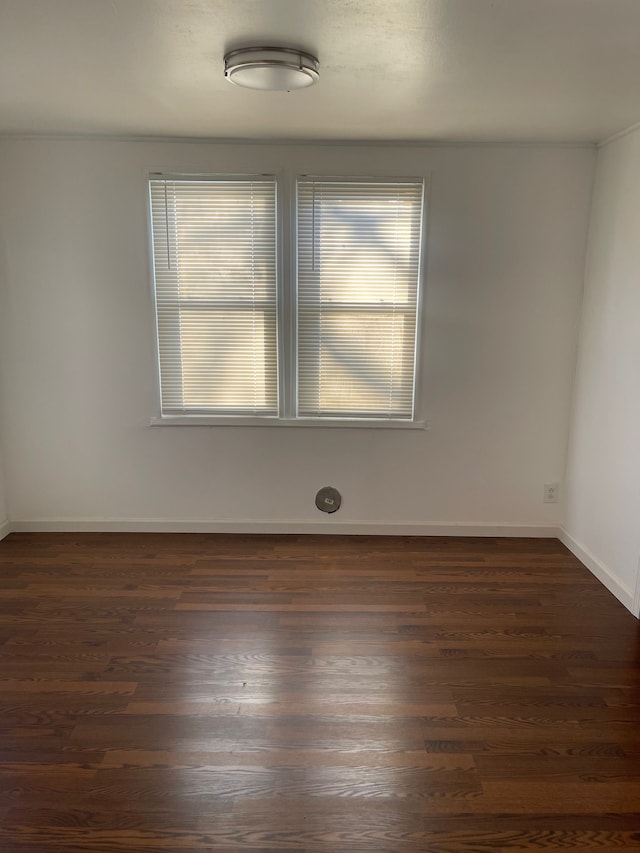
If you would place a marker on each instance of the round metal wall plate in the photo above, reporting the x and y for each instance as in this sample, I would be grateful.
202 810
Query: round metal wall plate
328 499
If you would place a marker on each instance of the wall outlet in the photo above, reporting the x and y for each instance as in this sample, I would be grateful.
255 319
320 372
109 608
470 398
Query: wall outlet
551 493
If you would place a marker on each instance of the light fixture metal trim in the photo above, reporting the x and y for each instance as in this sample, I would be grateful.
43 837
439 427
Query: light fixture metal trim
269 68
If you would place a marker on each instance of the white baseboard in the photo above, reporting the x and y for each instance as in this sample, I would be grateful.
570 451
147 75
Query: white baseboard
5 528
382 528
602 572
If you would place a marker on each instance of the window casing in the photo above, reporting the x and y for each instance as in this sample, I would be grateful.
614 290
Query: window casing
240 343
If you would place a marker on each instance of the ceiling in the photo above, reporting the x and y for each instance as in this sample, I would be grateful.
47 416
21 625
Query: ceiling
427 70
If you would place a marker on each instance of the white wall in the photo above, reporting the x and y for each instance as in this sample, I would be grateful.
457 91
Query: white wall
603 500
506 249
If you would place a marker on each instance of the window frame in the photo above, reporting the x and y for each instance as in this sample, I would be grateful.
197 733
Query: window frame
287 308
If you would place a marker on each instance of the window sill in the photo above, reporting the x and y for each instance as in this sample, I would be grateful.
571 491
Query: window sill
321 423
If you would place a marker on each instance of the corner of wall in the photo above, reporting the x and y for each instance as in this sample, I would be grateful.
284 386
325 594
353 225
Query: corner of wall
602 572
603 460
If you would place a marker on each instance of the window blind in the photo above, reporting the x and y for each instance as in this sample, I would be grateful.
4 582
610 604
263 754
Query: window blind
357 297
214 252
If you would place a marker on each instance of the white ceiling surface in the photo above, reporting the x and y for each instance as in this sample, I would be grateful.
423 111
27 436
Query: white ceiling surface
427 70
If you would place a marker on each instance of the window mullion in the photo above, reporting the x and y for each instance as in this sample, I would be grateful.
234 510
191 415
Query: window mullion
286 298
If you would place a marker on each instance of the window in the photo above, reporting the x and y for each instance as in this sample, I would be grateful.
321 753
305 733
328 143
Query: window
214 248
239 343
358 271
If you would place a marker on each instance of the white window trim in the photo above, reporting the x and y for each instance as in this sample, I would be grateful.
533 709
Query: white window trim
286 310
317 423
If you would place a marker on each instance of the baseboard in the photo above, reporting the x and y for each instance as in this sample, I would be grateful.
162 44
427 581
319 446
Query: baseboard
5 528
382 528
597 568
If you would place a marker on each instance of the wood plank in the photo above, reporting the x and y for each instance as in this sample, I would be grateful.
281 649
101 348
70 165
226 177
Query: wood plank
199 692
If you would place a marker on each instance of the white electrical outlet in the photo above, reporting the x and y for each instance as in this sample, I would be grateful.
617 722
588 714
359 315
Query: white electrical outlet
551 493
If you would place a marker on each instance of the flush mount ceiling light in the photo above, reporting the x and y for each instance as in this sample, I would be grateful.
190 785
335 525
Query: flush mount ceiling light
272 69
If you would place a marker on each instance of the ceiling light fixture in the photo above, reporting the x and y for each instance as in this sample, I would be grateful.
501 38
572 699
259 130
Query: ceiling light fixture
271 69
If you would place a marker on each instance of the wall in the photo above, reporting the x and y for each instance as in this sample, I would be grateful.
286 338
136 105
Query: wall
507 238
603 501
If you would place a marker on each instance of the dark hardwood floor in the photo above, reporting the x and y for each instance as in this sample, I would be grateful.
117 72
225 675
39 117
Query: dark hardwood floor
296 693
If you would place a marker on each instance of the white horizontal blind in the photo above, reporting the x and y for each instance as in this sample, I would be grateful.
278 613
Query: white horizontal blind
357 297
214 250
